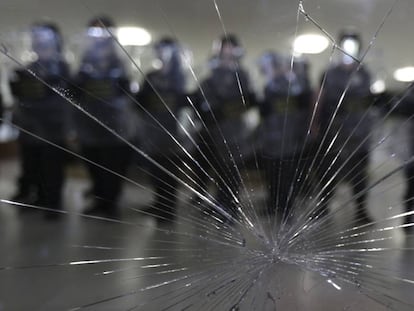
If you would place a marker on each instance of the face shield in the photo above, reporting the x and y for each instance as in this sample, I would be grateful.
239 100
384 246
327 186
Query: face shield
227 50
171 57
98 37
45 43
100 45
351 46
269 64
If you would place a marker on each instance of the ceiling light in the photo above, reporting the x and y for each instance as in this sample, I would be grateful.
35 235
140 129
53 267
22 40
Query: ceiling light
310 44
133 36
404 74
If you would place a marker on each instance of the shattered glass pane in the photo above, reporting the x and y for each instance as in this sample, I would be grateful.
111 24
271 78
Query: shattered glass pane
291 199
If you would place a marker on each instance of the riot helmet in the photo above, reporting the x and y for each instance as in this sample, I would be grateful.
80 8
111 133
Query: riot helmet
100 27
228 47
46 41
167 50
270 63
101 47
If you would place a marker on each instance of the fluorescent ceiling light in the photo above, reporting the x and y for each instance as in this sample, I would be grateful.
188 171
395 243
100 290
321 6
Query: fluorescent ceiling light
133 36
310 44
404 74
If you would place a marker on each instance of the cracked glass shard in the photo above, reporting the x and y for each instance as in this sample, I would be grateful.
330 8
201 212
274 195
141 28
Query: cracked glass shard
252 183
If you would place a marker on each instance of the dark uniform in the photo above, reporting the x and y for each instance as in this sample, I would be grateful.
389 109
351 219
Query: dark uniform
44 113
102 83
347 137
162 96
285 120
224 139
405 106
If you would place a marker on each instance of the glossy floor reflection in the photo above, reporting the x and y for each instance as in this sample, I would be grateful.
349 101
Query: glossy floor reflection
52 265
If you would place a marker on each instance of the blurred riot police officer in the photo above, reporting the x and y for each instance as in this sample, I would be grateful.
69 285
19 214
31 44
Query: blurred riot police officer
224 138
346 141
162 96
285 115
44 113
103 84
